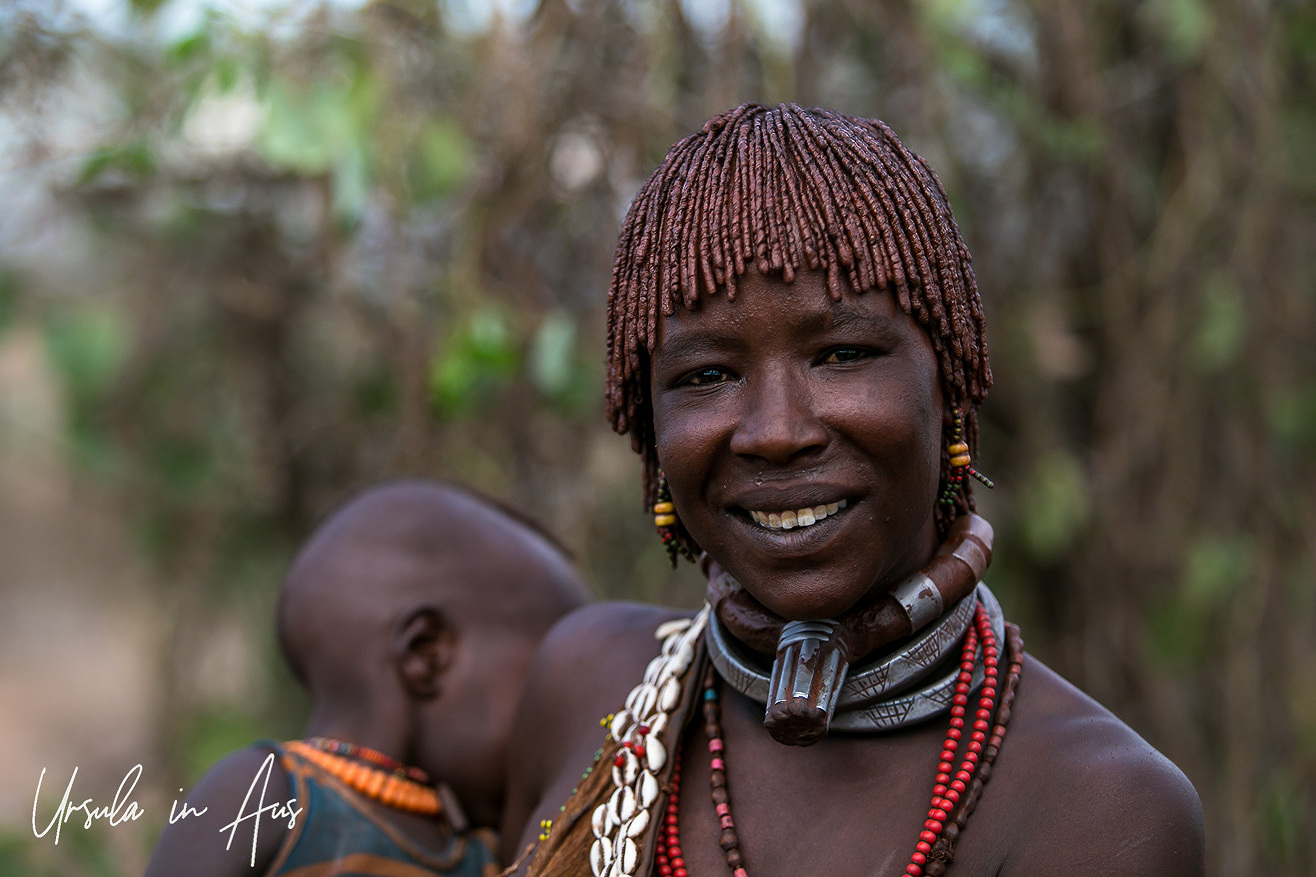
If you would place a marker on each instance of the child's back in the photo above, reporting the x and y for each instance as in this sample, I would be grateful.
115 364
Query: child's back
411 616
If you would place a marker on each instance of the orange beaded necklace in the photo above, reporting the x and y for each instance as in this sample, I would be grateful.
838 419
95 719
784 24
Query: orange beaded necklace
392 789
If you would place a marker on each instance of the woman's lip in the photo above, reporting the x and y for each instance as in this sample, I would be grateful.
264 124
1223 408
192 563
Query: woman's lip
794 542
781 499
789 519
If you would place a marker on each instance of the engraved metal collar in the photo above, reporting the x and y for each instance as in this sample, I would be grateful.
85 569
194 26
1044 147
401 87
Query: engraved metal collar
875 696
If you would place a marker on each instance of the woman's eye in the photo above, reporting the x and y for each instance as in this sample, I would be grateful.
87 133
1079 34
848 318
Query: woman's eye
706 376
844 354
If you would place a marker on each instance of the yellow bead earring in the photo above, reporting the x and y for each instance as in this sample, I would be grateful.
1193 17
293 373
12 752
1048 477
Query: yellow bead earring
664 518
959 463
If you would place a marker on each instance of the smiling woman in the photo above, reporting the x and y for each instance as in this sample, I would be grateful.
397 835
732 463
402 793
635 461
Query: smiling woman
785 400
797 352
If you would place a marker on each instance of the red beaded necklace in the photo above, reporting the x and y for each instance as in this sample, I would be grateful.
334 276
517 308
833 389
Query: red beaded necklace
365 753
953 795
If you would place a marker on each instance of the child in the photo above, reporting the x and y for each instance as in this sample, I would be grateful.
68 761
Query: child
411 616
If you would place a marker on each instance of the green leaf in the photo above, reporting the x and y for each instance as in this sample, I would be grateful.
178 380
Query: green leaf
1177 635
8 299
325 128
227 73
291 138
147 7
375 393
1215 569
135 160
1291 414
1056 505
87 347
1283 813
1223 326
351 183
190 47
1183 25
552 354
185 464
216 732
440 161
476 362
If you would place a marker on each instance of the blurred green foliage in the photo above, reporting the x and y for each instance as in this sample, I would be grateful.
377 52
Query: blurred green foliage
1055 507
87 348
477 359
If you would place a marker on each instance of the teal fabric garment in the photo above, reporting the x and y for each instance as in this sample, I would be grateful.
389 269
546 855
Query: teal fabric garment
339 834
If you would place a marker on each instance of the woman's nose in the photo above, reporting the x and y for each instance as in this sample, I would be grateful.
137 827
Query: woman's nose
778 423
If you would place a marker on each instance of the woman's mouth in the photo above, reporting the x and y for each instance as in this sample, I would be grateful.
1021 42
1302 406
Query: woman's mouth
791 519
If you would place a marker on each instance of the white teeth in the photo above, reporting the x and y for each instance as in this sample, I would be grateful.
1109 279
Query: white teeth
792 518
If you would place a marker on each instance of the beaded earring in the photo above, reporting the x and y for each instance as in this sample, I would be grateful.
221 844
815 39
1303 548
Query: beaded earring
664 518
959 463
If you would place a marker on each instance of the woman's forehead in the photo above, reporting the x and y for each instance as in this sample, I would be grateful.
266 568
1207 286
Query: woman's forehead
805 305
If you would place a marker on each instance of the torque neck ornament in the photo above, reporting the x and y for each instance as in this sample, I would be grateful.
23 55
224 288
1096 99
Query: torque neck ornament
808 682
889 692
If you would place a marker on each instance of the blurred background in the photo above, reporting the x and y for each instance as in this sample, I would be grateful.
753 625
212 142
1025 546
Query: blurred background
255 256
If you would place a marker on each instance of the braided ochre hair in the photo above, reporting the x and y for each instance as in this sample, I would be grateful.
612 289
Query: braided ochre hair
783 189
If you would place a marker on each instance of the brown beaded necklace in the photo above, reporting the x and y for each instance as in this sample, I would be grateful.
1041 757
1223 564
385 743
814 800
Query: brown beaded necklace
954 795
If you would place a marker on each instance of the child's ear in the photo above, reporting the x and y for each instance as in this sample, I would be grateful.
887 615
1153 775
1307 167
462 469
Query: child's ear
422 651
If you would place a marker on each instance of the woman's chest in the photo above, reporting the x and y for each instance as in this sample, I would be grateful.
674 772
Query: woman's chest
847 806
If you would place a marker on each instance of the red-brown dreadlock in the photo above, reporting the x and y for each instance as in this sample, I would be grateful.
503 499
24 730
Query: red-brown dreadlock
784 189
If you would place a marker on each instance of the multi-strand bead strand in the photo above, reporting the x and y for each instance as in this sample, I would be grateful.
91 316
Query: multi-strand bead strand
943 851
949 788
667 857
637 727
954 795
717 777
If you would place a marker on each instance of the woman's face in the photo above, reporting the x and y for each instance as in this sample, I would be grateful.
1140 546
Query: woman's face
784 407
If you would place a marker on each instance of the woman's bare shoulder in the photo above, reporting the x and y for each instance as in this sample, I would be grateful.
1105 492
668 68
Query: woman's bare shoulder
1089 794
622 628
589 661
584 668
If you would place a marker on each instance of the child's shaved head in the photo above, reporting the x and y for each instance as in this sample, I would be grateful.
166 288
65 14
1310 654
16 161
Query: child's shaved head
410 542
421 605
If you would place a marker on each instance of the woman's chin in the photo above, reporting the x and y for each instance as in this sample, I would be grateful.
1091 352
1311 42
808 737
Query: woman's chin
798 602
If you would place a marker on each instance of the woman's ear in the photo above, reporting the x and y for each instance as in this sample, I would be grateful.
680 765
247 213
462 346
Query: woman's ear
422 651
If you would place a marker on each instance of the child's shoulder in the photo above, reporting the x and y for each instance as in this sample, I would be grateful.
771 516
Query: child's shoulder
199 843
